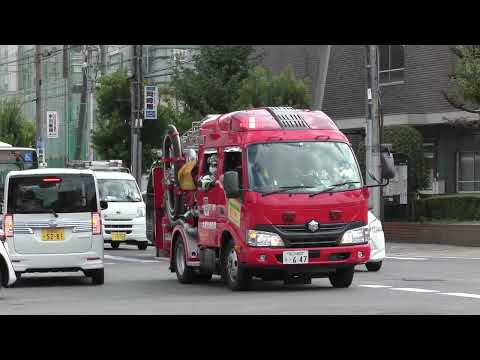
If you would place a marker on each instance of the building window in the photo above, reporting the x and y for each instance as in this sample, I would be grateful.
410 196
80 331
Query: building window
468 171
430 155
392 63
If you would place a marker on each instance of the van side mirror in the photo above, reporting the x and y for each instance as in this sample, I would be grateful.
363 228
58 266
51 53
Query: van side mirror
388 164
103 205
231 184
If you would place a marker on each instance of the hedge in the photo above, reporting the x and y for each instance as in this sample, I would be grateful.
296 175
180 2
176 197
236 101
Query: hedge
457 206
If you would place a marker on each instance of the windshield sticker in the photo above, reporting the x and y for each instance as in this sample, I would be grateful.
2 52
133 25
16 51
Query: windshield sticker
234 211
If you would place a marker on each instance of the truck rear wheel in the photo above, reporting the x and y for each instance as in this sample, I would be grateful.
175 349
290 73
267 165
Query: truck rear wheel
236 277
373 266
342 278
185 273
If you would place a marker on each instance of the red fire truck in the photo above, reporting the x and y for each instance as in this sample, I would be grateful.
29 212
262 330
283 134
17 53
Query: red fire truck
271 193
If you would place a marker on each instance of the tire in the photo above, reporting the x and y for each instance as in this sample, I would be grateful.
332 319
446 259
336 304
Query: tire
236 277
115 245
172 147
98 276
1 279
185 273
342 278
373 266
142 246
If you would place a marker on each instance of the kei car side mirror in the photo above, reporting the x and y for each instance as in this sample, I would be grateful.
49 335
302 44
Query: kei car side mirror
103 204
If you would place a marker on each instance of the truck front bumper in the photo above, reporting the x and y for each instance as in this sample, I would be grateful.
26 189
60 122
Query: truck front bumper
321 260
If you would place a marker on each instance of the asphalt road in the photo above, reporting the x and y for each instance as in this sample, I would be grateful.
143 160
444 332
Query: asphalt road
414 279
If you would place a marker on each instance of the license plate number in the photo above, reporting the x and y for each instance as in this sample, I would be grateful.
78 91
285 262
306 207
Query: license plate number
118 236
295 257
53 234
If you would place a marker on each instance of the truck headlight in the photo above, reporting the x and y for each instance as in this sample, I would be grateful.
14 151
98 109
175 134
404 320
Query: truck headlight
140 212
263 239
356 236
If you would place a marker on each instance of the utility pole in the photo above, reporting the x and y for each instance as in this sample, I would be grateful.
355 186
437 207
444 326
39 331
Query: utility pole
38 108
136 119
373 161
103 59
83 106
66 71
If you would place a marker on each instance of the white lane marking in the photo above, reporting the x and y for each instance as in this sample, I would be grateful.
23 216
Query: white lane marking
128 259
416 290
405 258
107 263
474 296
434 257
375 286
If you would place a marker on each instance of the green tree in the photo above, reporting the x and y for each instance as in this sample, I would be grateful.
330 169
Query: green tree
15 128
112 137
212 86
464 94
261 88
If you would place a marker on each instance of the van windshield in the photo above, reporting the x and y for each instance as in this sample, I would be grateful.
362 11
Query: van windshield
51 193
119 190
309 166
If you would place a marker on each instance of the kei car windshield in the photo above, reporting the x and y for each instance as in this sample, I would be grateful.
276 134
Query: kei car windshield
302 167
119 190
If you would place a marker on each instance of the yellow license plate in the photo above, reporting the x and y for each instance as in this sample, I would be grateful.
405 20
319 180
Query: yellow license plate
53 234
118 236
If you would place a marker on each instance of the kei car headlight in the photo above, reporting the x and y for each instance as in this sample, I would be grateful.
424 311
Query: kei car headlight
263 239
356 236
376 231
140 212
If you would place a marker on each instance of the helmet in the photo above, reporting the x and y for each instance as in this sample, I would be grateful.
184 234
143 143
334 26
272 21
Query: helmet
212 160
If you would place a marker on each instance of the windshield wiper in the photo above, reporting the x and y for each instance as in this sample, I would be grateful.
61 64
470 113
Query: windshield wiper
54 212
286 188
331 187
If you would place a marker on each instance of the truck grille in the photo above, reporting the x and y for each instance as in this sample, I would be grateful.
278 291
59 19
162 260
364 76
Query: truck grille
298 236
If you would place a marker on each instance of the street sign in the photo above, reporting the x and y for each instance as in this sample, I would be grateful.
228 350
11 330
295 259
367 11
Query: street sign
151 102
52 124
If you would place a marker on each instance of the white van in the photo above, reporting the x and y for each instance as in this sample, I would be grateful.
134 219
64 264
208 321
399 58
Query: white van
52 222
124 220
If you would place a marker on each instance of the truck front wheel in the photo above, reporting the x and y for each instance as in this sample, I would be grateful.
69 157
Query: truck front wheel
185 273
236 277
342 278
373 266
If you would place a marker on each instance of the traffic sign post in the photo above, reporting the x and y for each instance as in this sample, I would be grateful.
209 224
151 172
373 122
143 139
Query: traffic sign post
52 124
151 102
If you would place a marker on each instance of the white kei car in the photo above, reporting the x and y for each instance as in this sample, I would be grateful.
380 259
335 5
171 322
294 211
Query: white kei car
7 274
377 243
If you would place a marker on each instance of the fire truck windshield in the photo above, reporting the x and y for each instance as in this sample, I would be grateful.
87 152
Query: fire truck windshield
306 167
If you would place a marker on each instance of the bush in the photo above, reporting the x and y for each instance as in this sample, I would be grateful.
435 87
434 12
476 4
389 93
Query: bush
461 207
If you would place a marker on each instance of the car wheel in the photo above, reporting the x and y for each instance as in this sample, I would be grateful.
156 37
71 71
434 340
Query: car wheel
115 245
342 278
142 246
373 266
98 276
1 279
185 274
236 277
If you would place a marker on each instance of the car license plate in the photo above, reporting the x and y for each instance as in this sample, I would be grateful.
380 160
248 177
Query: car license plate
53 234
295 257
118 236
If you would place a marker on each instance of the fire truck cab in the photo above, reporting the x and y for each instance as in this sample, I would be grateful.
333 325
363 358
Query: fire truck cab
277 194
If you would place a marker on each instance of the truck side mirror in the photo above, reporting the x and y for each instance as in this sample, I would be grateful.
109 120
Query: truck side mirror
103 205
231 184
388 164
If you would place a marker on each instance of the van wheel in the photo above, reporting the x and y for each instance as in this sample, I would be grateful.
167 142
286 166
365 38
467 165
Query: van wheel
97 276
236 277
142 246
373 266
342 278
1 278
185 273
115 245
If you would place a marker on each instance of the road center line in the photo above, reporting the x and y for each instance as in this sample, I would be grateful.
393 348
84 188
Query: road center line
375 286
405 258
474 296
416 290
